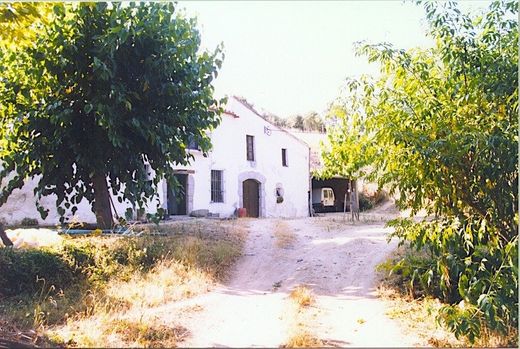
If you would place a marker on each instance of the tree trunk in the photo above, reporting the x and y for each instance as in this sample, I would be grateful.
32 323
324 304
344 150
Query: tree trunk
102 207
5 239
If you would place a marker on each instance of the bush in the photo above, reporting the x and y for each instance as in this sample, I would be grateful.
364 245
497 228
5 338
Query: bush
468 268
97 276
367 202
364 202
20 269
29 222
443 132
78 260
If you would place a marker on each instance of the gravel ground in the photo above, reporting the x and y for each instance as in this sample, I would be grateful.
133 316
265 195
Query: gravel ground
334 258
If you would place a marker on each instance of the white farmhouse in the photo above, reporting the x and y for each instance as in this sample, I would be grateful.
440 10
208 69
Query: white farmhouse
253 165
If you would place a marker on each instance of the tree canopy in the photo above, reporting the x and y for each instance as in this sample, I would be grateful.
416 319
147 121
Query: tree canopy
21 21
310 122
439 126
104 90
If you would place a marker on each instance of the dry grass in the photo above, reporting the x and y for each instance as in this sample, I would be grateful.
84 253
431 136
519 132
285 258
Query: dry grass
303 339
167 282
302 296
120 312
284 235
417 316
301 317
120 330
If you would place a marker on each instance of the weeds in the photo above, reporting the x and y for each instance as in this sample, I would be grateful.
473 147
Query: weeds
417 310
145 335
284 235
300 336
76 293
302 296
303 340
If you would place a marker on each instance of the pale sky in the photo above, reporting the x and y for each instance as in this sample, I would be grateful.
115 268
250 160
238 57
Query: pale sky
290 57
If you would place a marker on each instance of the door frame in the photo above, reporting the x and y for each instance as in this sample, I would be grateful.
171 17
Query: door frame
255 197
261 190
190 189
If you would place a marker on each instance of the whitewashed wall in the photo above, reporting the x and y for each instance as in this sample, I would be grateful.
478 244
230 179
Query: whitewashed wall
21 204
229 155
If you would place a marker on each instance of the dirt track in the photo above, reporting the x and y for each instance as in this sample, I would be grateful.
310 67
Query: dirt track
336 259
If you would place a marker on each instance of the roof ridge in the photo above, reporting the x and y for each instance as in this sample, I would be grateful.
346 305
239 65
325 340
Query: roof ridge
247 104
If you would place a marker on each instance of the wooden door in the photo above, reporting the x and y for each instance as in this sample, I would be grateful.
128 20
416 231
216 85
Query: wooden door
251 195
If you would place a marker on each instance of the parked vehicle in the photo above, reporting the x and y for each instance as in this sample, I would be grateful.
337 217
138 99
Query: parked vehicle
323 199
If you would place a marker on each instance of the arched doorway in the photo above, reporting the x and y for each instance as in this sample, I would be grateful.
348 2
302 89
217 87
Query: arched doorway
251 197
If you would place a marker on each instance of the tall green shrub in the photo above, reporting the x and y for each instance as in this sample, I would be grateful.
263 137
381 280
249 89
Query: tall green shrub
440 126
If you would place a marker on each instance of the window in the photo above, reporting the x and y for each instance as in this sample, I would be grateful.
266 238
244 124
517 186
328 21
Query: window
148 172
192 143
279 193
250 147
217 186
284 157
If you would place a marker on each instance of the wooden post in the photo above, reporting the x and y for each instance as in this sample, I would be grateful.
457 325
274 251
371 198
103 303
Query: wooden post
355 201
352 204
345 207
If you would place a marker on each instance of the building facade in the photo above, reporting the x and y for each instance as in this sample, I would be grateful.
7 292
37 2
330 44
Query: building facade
253 164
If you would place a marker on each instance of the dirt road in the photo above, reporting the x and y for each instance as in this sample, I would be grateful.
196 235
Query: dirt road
333 258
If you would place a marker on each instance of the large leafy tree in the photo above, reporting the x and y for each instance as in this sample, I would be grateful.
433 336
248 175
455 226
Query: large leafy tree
20 22
440 127
104 90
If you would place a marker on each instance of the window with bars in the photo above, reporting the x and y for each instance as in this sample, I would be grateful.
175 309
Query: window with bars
217 186
250 147
284 157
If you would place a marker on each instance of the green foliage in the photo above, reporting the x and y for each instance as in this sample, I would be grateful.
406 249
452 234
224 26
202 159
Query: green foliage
440 125
368 201
81 260
310 122
296 121
104 90
29 222
21 22
20 270
276 120
364 202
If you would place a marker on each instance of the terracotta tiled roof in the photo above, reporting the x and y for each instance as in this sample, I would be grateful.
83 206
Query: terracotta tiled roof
229 112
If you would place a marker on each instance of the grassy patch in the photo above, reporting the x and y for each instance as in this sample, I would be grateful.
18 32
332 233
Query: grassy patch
300 334
284 235
417 316
303 339
119 330
75 292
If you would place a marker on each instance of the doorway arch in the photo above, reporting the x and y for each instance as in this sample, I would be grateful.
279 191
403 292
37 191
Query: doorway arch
253 181
251 197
